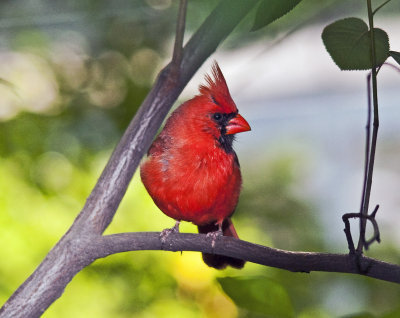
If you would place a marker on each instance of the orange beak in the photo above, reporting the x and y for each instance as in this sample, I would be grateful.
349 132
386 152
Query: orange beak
236 125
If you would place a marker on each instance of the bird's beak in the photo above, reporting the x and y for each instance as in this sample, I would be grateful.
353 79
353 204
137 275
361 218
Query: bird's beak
236 125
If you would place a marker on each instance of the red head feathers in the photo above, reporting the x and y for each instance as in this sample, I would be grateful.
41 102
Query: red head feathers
216 101
218 91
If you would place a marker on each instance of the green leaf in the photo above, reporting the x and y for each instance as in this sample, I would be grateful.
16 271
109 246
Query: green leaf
348 43
259 295
395 55
271 10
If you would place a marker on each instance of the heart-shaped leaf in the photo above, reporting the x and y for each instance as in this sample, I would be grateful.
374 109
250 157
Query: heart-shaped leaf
348 42
271 10
395 55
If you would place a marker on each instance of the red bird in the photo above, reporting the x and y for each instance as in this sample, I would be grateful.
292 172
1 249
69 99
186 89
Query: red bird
192 172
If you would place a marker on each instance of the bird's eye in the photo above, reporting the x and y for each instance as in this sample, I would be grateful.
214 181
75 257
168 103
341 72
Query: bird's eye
217 116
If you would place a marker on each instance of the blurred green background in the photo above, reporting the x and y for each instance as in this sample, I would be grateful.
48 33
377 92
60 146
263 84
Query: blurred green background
73 74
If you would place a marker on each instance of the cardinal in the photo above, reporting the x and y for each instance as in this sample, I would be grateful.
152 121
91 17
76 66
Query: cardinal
192 172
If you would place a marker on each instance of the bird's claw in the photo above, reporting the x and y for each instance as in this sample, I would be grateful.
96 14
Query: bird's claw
213 236
167 232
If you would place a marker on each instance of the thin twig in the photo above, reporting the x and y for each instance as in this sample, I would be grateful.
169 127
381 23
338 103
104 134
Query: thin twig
376 237
371 160
347 229
395 67
366 244
378 8
367 144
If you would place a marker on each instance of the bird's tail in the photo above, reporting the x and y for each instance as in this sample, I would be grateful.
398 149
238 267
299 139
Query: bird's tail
219 261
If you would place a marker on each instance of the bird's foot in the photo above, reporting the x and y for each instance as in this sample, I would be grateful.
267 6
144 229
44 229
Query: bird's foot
165 233
215 235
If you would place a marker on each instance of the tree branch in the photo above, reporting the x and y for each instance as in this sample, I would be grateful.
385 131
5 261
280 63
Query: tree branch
228 246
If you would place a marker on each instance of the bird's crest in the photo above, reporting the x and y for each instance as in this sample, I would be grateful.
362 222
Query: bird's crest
217 90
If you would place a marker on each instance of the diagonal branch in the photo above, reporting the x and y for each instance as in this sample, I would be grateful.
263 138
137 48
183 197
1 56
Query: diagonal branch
180 31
